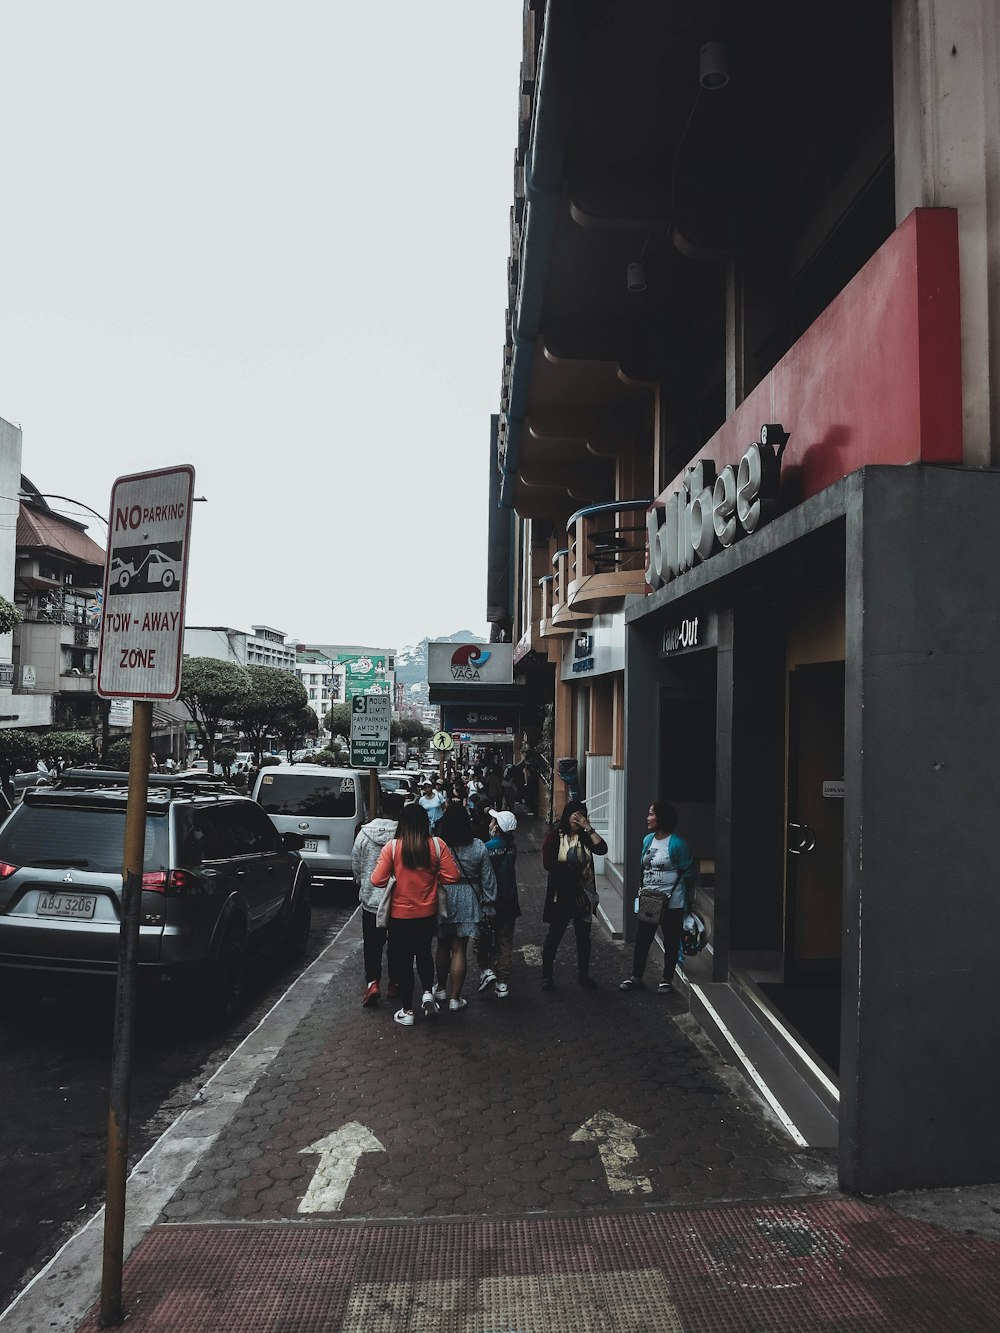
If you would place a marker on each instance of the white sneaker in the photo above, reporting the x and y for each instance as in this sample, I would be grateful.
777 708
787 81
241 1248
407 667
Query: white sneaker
502 990
440 994
429 1004
404 1017
457 1004
487 980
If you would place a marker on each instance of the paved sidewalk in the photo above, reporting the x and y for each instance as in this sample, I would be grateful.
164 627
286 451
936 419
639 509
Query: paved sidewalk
570 1160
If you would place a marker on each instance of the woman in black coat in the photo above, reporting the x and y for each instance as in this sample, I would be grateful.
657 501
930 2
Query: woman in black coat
568 852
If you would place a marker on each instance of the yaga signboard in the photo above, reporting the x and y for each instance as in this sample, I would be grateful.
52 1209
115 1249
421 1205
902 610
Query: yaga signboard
470 663
371 719
145 582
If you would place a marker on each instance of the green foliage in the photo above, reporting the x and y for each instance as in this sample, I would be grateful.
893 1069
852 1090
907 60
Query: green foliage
409 729
18 750
120 753
327 758
338 720
268 761
226 756
76 747
294 726
211 690
272 697
9 616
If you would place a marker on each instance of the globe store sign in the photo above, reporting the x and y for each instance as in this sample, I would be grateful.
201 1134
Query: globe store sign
709 513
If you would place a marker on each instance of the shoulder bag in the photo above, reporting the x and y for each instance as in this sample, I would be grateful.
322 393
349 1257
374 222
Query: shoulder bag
442 892
385 902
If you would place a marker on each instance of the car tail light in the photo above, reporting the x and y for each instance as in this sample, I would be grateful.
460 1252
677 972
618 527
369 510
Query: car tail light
6 869
172 883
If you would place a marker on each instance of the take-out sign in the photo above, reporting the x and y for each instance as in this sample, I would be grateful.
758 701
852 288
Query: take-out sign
145 583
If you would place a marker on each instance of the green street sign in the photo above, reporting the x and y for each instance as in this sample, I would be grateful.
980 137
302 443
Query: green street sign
371 719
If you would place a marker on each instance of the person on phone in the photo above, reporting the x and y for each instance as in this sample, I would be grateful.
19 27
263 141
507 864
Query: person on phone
668 874
568 851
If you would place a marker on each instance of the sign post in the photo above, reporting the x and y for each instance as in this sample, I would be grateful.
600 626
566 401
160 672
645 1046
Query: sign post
371 723
141 647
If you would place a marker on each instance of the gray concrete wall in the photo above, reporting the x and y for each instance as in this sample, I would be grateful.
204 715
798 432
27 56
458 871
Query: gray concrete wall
920 1072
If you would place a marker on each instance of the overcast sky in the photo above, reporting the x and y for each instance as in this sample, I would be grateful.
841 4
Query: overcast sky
269 240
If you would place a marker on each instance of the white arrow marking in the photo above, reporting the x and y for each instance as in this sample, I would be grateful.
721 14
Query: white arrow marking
532 954
615 1140
339 1153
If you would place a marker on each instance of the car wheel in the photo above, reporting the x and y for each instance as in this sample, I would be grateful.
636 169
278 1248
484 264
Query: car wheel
168 578
124 577
296 939
225 980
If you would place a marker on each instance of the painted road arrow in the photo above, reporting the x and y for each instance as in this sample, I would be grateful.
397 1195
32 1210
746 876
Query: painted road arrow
615 1139
339 1154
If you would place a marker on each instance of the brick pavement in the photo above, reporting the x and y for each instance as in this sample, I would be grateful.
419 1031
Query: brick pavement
474 1209
476 1110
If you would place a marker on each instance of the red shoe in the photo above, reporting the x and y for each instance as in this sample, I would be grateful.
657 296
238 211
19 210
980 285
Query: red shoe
372 995
392 992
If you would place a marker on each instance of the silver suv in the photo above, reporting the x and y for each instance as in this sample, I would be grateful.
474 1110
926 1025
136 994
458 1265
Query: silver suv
218 881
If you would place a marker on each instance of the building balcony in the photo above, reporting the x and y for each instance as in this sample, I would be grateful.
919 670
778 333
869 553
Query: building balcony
558 618
77 682
606 557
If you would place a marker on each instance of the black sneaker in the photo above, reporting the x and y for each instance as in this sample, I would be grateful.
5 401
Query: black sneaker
632 983
666 988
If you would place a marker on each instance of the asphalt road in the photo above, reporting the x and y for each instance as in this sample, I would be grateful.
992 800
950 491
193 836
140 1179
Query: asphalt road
55 1065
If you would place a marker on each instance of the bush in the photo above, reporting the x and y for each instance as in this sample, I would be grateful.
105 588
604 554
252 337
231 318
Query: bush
120 753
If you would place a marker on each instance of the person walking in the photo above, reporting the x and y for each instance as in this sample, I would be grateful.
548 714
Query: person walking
419 863
568 851
665 894
433 802
471 899
368 845
502 851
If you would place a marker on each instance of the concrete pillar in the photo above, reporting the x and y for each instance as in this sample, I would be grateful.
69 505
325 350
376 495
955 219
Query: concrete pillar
946 112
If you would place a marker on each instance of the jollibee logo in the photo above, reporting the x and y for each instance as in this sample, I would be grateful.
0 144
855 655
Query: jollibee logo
466 661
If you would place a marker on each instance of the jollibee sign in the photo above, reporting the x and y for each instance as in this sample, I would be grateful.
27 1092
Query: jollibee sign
710 512
145 582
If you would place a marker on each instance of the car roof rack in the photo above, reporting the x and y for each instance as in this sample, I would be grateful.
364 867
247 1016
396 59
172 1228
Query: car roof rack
200 784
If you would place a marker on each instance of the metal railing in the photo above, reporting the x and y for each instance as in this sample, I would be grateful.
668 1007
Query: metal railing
605 539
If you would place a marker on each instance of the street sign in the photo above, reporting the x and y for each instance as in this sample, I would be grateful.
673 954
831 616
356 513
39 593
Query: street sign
145 582
442 741
371 719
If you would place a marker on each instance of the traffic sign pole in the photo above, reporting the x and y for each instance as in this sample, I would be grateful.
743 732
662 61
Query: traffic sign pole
121 1058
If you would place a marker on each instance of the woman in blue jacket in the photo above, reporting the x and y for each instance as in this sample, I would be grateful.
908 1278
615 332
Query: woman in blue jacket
669 872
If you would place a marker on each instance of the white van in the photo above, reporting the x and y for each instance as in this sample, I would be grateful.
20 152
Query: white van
325 806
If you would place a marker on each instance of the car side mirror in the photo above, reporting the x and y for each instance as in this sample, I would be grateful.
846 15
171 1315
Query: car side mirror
292 842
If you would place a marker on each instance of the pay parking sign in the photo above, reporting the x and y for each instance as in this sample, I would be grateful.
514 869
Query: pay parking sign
371 719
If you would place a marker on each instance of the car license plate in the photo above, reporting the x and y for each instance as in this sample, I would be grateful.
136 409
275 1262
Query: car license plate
76 906
310 845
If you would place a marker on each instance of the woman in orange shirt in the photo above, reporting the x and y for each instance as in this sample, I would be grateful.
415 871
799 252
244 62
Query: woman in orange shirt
419 863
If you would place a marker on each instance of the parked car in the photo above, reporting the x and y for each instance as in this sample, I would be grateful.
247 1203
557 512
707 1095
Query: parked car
218 882
326 806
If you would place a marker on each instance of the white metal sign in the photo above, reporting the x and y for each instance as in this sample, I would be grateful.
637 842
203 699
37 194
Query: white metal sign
145 582
371 722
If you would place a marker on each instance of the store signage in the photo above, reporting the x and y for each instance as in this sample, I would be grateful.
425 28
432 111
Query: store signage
470 664
363 674
583 653
833 789
678 637
456 718
7 673
709 513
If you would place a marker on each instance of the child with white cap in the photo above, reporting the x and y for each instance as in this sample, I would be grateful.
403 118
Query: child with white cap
502 851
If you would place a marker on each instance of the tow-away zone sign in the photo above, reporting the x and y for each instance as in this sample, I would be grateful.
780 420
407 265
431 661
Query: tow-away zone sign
145 584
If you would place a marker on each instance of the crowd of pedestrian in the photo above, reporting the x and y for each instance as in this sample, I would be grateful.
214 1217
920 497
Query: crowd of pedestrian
444 876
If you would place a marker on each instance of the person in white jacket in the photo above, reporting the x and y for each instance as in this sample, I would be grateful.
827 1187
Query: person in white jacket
367 845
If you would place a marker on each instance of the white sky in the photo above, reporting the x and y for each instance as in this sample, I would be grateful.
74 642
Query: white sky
270 240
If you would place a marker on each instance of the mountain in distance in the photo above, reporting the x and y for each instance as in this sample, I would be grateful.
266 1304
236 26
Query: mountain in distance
411 662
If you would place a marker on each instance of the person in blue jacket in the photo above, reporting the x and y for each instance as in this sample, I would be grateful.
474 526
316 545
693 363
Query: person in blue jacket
669 871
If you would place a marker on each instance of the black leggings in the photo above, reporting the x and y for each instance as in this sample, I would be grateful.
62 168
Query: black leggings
410 942
671 925
373 937
557 929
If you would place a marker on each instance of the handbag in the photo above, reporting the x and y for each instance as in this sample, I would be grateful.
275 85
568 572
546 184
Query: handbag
442 892
385 904
649 909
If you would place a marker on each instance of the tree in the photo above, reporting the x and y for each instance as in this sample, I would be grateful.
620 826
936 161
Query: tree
76 747
120 753
338 720
18 751
211 690
272 695
9 616
225 755
409 729
294 726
